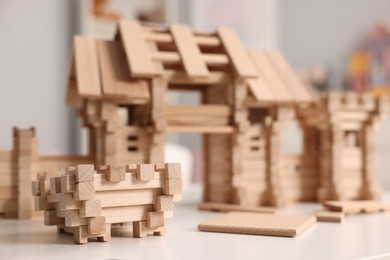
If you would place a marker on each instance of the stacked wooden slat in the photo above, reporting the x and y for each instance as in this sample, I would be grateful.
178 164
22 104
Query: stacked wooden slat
8 186
86 202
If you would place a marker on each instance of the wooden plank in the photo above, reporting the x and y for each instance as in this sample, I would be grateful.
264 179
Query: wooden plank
225 207
201 110
138 55
87 67
189 51
116 81
270 77
127 197
329 216
201 129
237 53
353 207
260 90
258 224
289 77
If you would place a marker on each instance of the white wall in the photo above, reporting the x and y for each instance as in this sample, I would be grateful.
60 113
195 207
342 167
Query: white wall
34 53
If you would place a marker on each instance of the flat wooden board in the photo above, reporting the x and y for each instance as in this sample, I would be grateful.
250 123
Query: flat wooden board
258 224
87 67
330 216
358 206
270 77
116 79
289 77
189 51
137 51
225 207
237 53
260 90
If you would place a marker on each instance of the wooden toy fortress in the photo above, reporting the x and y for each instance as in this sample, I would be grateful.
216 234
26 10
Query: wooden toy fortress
120 90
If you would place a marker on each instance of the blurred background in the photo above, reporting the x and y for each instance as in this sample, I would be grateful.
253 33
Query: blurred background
332 44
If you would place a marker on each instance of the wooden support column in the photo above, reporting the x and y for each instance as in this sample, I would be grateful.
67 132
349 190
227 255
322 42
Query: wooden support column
25 154
370 189
336 142
242 126
159 87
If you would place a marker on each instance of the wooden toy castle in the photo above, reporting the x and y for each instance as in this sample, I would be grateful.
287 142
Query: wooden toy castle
247 99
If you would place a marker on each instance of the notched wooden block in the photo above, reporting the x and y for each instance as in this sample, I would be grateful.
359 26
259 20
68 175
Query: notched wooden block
84 191
172 186
145 172
172 171
67 183
96 225
84 173
91 208
164 203
154 219
116 173
55 185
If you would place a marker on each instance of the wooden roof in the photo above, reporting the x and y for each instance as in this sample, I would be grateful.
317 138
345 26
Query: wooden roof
119 69
99 70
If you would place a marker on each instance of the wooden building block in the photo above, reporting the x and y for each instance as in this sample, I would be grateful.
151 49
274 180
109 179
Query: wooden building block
145 172
227 207
55 185
258 224
116 173
154 219
84 191
96 225
172 171
164 203
91 208
354 207
84 173
172 186
189 51
329 216
68 183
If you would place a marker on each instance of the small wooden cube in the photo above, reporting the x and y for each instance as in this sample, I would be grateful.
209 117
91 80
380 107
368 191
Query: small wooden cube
116 173
84 173
91 208
172 186
164 203
96 225
172 171
154 219
145 172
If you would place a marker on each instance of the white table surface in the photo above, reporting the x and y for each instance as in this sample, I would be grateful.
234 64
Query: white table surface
359 236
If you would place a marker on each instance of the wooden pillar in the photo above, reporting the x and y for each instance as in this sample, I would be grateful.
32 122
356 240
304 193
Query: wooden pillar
370 187
158 89
24 154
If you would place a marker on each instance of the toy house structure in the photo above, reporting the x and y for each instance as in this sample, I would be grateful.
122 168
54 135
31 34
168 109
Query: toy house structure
247 99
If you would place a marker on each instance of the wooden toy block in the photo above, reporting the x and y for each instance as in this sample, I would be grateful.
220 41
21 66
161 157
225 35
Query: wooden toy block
67 183
84 191
96 225
225 207
164 203
94 206
172 171
154 219
145 172
329 216
258 224
91 208
84 173
116 173
172 186
354 207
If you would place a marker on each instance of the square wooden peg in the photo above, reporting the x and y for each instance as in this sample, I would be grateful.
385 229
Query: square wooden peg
154 219
172 171
84 191
96 225
172 186
116 173
84 172
145 172
164 203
